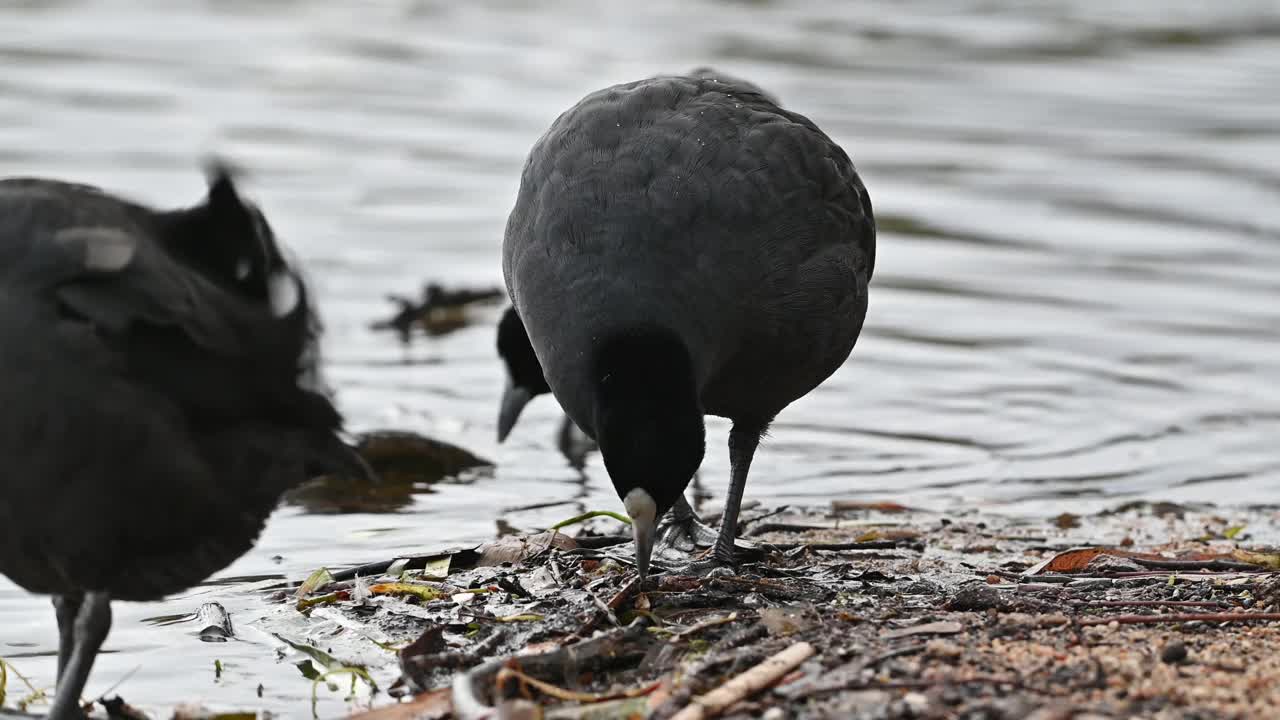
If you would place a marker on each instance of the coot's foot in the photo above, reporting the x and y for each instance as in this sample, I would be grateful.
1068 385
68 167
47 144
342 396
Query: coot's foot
685 543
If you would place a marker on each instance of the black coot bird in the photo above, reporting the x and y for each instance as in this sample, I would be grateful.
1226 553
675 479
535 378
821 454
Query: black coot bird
157 370
683 246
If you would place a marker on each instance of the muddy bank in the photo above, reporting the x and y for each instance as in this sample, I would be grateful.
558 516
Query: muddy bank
851 611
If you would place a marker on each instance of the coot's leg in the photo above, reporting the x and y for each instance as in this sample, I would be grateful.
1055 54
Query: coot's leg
574 444
683 530
91 626
66 607
743 440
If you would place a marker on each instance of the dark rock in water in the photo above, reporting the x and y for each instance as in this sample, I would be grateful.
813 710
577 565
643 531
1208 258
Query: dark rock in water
158 371
438 312
407 464
398 456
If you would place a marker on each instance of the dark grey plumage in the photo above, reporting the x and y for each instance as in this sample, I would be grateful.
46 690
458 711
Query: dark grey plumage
157 373
682 246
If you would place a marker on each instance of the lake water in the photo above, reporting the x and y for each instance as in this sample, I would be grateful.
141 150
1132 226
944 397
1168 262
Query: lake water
1076 291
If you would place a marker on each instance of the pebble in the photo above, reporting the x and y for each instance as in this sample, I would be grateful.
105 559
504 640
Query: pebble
774 713
1174 653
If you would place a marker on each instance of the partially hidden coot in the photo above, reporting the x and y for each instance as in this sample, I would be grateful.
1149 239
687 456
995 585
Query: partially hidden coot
683 246
157 370
525 381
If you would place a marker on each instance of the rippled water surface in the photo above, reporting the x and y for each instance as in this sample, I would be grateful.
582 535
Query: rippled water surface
1075 298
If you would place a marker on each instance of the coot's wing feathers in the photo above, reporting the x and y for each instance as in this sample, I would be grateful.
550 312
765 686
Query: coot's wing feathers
155 289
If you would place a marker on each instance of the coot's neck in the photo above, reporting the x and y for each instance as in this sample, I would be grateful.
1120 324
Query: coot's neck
648 417
645 367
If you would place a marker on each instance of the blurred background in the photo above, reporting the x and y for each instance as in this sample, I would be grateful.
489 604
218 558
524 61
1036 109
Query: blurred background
1075 299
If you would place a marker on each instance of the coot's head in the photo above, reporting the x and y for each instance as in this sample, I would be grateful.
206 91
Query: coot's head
229 241
649 426
524 373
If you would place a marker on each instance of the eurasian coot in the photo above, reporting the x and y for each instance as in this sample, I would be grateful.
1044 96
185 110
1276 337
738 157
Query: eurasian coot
682 246
158 374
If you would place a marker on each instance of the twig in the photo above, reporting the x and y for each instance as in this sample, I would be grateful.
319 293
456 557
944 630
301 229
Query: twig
747 684
704 625
867 545
546 688
625 594
555 571
587 656
882 657
1182 618
924 684
608 611
1146 603
850 671
1188 565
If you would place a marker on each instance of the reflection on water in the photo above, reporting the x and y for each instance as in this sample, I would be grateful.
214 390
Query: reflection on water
1075 299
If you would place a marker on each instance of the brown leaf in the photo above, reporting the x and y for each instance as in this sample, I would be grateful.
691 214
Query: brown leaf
431 641
515 550
1078 559
1264 559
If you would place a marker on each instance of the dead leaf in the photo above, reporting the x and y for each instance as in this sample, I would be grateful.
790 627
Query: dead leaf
943 627
1077 559
515 550
425 593
430 642
1268 560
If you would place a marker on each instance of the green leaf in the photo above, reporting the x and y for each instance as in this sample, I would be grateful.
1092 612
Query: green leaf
314 581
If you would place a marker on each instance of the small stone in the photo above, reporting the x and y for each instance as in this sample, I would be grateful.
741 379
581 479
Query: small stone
1174 653
917 703
774 713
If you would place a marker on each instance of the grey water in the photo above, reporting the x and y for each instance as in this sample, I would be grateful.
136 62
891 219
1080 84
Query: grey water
1075 300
